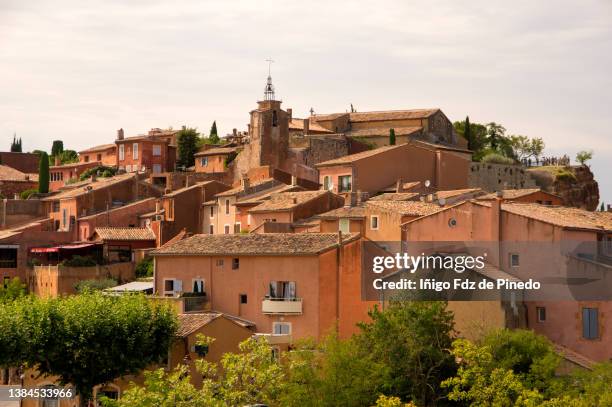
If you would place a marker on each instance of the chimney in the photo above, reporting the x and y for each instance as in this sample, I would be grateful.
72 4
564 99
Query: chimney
245 183
306 126
399 186
293 180
290 113
294 200
120 134
57 161
157 206
93 178
234 133
359 197
187 181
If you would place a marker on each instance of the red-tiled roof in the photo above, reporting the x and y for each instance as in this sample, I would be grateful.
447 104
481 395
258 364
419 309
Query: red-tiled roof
285 201
384 131
270 244
120 233
349 159
10 174
562 216
391 115
102 147
298 124
410 208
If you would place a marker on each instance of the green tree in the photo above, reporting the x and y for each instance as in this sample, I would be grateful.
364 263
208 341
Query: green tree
525 147
43 174
248 377
467 133
187 144
583 156
332 373
57 148
69 156
480 383
144 268
16 145
477 133
12 290
86 340
495 132
412 339
391 137
213 137
602 207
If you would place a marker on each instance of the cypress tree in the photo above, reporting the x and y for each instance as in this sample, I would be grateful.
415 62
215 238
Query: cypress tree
14 145
213 137
57 148
392 137
602 208
467 133
43 173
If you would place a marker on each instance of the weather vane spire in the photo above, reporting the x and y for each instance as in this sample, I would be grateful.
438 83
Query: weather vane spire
269 90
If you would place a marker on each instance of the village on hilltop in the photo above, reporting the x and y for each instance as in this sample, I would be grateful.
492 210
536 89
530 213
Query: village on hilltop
261 233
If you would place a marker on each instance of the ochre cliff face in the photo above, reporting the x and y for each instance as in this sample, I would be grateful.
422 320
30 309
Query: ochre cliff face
575 184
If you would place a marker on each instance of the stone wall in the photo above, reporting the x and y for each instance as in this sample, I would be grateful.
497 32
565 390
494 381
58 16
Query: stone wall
495 177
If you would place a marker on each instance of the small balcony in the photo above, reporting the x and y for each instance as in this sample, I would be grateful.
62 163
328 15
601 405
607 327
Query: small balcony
275 339
281 306
194 302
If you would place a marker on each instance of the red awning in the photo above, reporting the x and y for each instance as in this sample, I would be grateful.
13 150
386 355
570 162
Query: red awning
56 249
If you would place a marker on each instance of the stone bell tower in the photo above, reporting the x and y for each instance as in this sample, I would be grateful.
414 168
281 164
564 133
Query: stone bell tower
269 130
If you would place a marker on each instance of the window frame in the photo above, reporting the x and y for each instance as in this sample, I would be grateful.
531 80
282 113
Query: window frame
282 323
341 188
590 326
135 151
121 152
372 217
156 150
541 314
511 260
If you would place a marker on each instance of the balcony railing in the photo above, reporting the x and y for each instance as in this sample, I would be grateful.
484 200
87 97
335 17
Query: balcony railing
275 339
194 303
271 305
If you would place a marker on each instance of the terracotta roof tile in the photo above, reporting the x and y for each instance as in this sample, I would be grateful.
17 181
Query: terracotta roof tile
270 244
562 216
326 117
240 188
344 212
348 159
384 131
217 151
125 233
191 322
391 115
394 196
513 193
100 183
412 208
574 357
451 193
101 147
287 200
298 124
10 174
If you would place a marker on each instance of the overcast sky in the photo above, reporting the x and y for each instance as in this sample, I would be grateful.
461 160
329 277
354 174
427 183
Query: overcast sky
78 70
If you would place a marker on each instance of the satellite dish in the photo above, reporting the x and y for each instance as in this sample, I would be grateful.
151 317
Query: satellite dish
442 201
427 183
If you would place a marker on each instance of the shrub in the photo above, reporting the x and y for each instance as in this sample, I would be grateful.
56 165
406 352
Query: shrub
144 268
79 261
27 193
495 158
94 285
101 171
